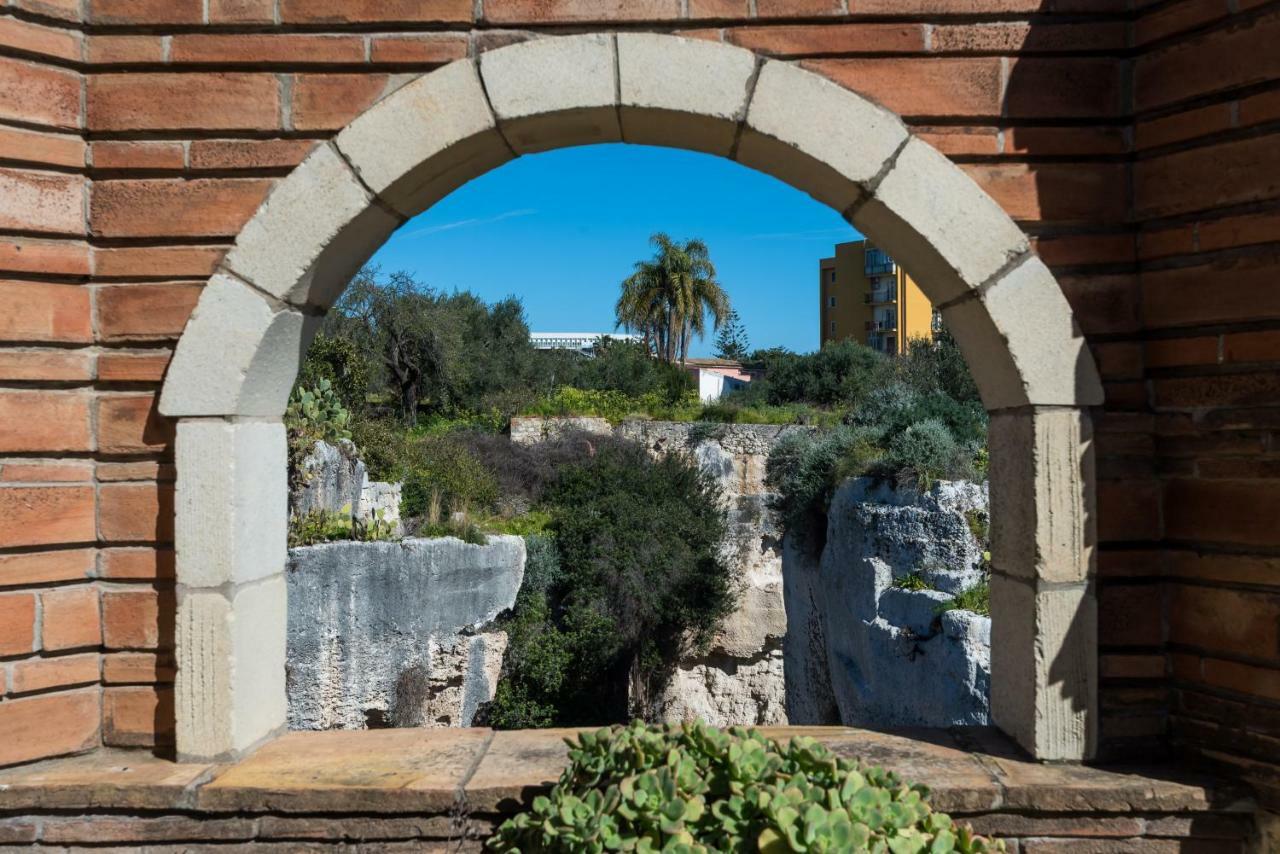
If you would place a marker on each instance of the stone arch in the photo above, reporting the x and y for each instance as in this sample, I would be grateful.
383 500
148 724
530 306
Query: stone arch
231 374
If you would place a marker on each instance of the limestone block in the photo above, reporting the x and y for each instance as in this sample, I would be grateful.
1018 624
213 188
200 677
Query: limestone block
687 93
239 355
554 92
914 610
1022 344
230 686
230 511
1042 494
311 235
815 135
426 139
944 230
1044 667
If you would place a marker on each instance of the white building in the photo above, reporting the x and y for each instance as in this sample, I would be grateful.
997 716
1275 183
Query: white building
582 342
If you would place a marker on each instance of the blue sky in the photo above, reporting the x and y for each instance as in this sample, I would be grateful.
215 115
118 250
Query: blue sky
560 230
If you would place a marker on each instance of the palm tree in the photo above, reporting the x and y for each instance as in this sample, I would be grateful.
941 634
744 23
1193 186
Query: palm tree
667 299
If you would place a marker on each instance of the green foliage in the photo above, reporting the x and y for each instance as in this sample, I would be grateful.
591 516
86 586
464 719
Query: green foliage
338 360
325 526
638 579
914 581
439 471
313 415
979 524
838 375
924 452
694 788
976 598
804 469
615 406
732 341
731 412
668 298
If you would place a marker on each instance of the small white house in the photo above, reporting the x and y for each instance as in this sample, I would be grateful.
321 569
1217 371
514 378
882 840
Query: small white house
717 377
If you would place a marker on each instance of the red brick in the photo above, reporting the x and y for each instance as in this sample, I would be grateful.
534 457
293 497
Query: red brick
1238 468
70 618
1070 249
39 94
953 141
40 312
1256 109
136 512
1055 192
1218 390
164 207
107 472
1244 230
29 37
138 155
1022 37
131 618
49 202
1128 510
59 365
1130 615
1183 126
242 11
1057 140
1234 621
1161 243
1225 290
563 11
1212 62
1102 303
132 424
416 50
44 421
137 563
1234 569
1243 678
1238 512
137 716
41 674
1245 170
267 48
53 149
1251 346
190 101
46 257
145 312
331 101
17 623
49 725
1064 88
911 87
44 567
133 367
797 8
121 50
375 11
46 471
1119 359
66 10
1178 18
146 11
249 153
1132 666
1180 352
157 262
702 9
829 39
124 668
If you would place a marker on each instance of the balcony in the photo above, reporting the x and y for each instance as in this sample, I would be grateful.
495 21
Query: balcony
881 325
874 297
877 263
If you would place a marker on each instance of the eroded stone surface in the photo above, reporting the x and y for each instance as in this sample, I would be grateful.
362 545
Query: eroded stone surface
106 778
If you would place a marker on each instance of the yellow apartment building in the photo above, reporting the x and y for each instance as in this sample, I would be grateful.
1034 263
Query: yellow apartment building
869 298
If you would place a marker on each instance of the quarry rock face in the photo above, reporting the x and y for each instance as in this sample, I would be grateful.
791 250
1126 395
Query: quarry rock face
866 647
333 477
393 633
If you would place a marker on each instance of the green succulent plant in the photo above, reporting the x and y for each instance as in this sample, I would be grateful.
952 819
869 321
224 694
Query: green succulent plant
694 788
318 411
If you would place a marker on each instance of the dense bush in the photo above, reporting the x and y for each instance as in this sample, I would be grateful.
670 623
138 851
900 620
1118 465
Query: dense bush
838 375
638 578
803 471
694 788
324 526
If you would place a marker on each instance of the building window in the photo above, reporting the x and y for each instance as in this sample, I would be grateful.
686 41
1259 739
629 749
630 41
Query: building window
831 275
831 302
831 327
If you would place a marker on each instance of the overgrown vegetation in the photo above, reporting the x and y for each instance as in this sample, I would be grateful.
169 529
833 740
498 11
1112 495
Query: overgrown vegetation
694 788
326 526
976 598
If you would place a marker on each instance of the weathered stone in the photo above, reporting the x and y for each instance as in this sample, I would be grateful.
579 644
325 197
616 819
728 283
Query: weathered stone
395 770
817 136
442 134
518 765
724 690
530 431
553 92
231 529
334 479
947 233
689 93
104 779
239 355
311 235
135 829
229 689
384 632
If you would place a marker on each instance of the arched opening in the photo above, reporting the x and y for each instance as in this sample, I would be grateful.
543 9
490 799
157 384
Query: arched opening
236 362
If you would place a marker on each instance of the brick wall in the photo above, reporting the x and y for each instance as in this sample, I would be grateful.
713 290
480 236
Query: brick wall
1135 141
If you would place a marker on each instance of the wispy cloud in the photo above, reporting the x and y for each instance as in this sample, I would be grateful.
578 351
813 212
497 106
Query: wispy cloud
815 234
467 223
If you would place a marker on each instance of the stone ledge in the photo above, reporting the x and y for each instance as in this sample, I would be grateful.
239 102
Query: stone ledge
425 784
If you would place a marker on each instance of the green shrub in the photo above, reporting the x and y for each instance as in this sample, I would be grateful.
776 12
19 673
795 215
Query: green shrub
694 788
803 471
313 415
914 581
925 452
325 526
976 598
442 471
338 360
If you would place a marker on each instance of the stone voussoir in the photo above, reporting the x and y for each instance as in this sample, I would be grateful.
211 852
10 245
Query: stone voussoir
230 529
685 92
553 92
948 234
817 136
426 138
311 235
239 355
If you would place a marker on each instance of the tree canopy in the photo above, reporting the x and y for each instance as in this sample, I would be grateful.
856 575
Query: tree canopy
668 297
